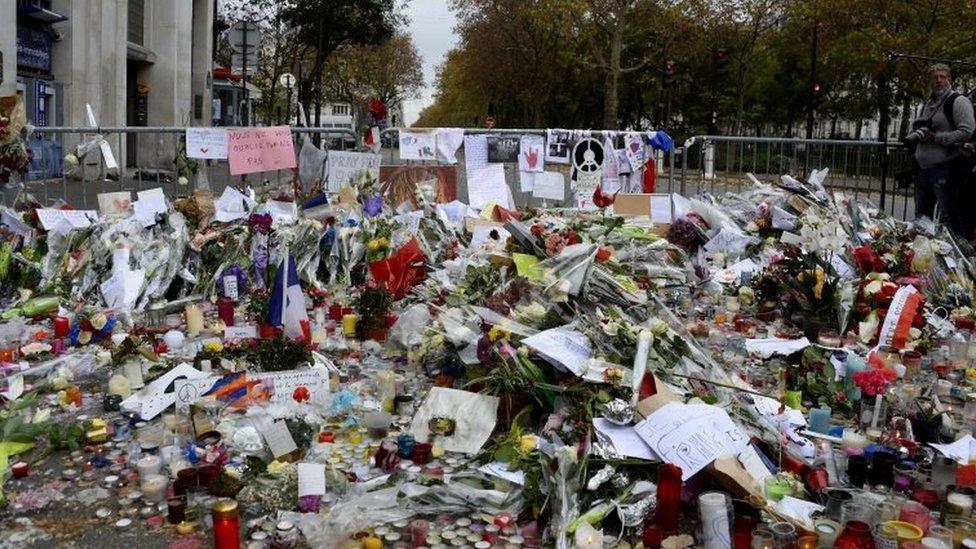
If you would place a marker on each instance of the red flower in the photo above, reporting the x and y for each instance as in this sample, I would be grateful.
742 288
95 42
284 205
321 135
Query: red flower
301 394
603 254
874 381
602 199
572 237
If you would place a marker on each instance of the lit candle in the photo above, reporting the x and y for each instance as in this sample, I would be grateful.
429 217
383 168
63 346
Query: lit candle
962 501
133 372
153 487
194 320
149 465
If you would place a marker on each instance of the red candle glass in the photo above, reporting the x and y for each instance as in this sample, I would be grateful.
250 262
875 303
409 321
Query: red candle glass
917 514
421 452
61 327
652 535
326 436
418 532
335 312
856 535
19 469
225 525
504 520
225 310
926 496
668 498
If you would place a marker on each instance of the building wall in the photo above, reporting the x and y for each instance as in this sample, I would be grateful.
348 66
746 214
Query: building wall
8 46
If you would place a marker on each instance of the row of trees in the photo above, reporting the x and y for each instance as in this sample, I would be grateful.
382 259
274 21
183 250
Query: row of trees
351 51
727 66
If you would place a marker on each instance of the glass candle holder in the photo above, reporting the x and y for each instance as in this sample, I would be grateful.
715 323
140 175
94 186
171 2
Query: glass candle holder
857 470
856 511
835 501
820 419
856 535
915 513
961 529
943 473
784 534
941 533
885 536
763 539
827 530
882 468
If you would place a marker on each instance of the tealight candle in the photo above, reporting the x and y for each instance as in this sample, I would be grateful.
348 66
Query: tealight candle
149 465
349 325
153 487
19 469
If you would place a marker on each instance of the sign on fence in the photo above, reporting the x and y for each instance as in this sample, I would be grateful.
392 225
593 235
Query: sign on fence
206 143
253 150
342 167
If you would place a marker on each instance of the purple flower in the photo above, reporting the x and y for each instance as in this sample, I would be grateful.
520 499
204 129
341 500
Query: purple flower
484 349
260 223
372 205
309 504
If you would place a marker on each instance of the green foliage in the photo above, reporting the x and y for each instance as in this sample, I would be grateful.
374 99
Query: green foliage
279 354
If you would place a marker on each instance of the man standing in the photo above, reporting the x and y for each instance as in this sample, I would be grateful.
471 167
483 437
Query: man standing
943 126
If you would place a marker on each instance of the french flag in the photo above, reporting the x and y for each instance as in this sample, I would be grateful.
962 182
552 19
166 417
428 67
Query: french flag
287 305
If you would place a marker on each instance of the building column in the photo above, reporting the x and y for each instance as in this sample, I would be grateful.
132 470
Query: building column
202 64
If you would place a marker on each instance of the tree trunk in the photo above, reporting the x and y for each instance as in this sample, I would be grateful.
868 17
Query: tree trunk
612 82
858 128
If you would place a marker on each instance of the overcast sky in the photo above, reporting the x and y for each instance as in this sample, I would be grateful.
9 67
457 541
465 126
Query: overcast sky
432 29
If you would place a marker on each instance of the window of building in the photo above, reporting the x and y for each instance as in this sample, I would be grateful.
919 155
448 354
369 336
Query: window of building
340 110
137 22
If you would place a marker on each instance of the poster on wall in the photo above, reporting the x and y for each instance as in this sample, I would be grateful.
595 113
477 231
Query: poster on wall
399 184
558 146
503 148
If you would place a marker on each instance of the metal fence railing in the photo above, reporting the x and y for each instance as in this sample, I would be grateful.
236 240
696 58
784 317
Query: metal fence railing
713 164
863 169
146 156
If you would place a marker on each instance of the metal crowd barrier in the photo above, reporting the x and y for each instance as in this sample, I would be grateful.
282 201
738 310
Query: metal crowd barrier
703 164
863 169
146 156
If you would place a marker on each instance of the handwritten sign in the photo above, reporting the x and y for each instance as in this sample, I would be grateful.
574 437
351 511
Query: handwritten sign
286 386
418 146
66 219
253 150
342 167
206 143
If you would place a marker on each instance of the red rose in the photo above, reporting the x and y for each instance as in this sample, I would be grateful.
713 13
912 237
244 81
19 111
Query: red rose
603 254
301 394
572 237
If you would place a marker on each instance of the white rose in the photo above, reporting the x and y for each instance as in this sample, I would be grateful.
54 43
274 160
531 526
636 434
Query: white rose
183 181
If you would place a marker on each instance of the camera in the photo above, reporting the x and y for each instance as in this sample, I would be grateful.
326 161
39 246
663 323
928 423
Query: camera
918 131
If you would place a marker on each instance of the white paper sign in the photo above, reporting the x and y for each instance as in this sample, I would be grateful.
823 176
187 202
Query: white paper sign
150 203
418 145
563 345
66 219
13 222
154 398
282 212
532 153
691 436
661 208
311 479
549 186
116 203
286 386
768 347
343 167
624 439
783 219
206 143
279 439
448 142
487 184
235 333
190 391
230 287
634 147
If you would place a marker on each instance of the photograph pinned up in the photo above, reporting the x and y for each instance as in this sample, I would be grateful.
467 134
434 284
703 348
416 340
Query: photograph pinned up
503 148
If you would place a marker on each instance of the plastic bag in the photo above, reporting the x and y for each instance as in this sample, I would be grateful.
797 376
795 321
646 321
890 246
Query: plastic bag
311 164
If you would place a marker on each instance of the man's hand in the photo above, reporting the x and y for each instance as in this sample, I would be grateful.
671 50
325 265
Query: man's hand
968 149
927 135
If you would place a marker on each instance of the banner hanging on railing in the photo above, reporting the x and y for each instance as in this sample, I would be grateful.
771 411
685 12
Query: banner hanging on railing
252 150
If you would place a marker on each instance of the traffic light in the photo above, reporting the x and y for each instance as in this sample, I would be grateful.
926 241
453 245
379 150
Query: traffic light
816 95
670 72
720 59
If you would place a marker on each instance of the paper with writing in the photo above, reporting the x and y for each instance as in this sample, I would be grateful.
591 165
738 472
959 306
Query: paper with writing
278 438
526 181
475 152
691 436
206 143
418 145
549 186
149 203
232 333
65 220
342 167
960 450
190 391
634 147
487 184
474 417
563 345
230 287
253 150
283 386
311 479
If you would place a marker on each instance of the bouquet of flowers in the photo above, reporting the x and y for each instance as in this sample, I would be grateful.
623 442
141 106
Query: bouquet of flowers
688 231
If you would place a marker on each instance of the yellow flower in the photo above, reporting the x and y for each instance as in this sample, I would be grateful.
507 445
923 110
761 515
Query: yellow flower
84 337
373 245
526 443
278 467
497 333
98 320
213 347
971 372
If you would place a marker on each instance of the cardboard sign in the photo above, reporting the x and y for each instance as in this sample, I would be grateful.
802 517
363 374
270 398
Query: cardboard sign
253 150
206 143
343 167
